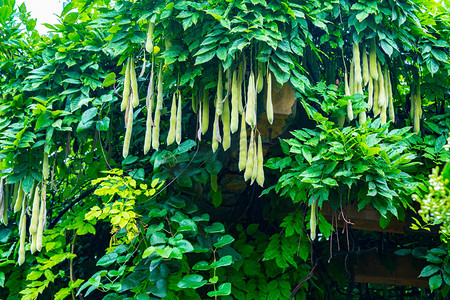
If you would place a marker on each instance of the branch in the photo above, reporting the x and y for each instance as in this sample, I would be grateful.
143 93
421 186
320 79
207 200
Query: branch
71 204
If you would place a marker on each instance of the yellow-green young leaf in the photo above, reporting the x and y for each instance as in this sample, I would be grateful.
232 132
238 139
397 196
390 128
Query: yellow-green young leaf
110 79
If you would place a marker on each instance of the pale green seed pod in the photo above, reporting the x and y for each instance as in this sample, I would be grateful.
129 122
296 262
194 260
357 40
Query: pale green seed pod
159 105
351 82
45 167
249 163
370 94
173 121
33 243
346 85
357 61
134 85
260 171
376 107
149 42
373 60
234 103
383 115
269 105
260 79
22 231
20 198
239 87
128 131
362 117
215 136
35 212
226 142
381 88
250 112
41 225
255 163
205 112
349 110
366 72
126 86
179 118
219 95
243 144
391 99
313 221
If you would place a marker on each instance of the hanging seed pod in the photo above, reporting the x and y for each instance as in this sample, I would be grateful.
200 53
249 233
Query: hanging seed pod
370 94
35 212
349 110
351 82
249 163
417 109
391 99
243 144
255 163
149 42
173 121
40 229
357 61
362 117
346 85
149 103
383 115
179 118
234 103
159 105
45 166
205 112
381 88
134 85
250 112
194 99
260 79
216 134
226 125
269 105
22 231
313 221
128 130
219 95
366 72
376 107
126 86
20 198
260 171
373 60
240 80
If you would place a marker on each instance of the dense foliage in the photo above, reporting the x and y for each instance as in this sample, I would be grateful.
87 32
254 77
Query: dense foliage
180 221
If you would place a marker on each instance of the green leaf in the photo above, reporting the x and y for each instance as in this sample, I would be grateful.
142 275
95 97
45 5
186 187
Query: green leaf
216 227
110 79
432 66
223 290
191 281
224 240
429 270
403 252
187 225
222 262
107 259
201 266
435 282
